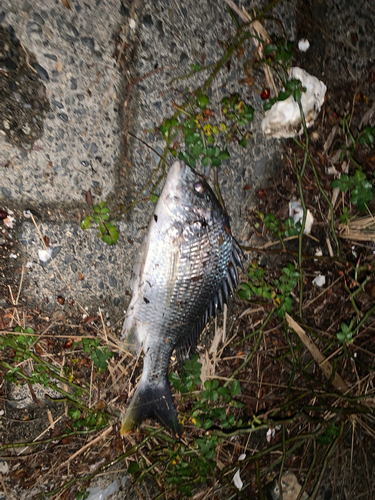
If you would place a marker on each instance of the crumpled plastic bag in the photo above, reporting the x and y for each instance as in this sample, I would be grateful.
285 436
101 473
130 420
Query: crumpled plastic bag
283 119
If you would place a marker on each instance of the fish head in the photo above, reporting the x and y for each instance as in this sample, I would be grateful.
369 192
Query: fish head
188 197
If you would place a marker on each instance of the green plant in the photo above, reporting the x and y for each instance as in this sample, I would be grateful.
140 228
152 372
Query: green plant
345 335
280 229
279 291
107 230
188 465
292 88
361 190
100 356
201 136
93 420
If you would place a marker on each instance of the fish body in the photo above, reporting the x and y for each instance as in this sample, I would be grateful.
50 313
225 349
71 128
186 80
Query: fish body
183 274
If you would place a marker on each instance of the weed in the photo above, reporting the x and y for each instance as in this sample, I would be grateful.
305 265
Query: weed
361 190
107 230
99 356
279 291
202 137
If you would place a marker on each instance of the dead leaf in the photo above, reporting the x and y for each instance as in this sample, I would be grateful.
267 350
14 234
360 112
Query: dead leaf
88 198
66 4
46 241
59 66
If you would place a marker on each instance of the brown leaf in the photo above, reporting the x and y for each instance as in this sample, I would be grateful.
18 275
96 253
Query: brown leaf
100 405
61 300
90 319
247 187
2 324
66 4
88 198
68 344
3 214
46 241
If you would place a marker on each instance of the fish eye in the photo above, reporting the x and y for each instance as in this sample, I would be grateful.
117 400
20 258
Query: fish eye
199 187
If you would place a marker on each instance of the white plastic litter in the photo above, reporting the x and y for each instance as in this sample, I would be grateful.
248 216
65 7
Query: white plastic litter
296 211
99 494
13 256
320 280
236 478
284 118
45 255
29 265
303 45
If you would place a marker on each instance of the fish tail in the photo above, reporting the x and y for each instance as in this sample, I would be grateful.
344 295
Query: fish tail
151 402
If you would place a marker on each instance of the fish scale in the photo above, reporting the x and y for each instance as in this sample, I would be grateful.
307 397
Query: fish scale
182 276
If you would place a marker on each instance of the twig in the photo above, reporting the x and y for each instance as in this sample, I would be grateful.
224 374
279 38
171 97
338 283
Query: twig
326 367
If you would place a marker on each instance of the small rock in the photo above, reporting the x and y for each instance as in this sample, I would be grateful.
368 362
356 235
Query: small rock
89 42
112 281
63 117
93 148
147 21
6 192
41 72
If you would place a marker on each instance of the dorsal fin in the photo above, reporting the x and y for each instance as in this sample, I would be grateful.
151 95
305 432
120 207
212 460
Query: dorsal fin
230 283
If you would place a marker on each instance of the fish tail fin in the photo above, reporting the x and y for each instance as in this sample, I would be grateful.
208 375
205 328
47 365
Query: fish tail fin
151 402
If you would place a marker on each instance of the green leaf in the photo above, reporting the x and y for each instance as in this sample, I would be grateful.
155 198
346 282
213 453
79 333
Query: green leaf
216 162
86 223
205 161
28 330
97 209
224 155
243 143
235 388
271 47
133 467
283 95
154 198
202 102
207 424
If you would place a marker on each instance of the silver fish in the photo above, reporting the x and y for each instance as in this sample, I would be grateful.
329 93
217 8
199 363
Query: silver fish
183 275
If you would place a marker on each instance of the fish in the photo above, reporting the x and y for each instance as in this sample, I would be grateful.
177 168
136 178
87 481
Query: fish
183 275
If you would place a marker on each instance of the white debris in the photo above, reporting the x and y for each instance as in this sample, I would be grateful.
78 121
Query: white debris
303 45
296 211
13 256
354 252
27 214
270 434
318 253
320 280
29 265
284 118
132 24
8 221
236 478
45 255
